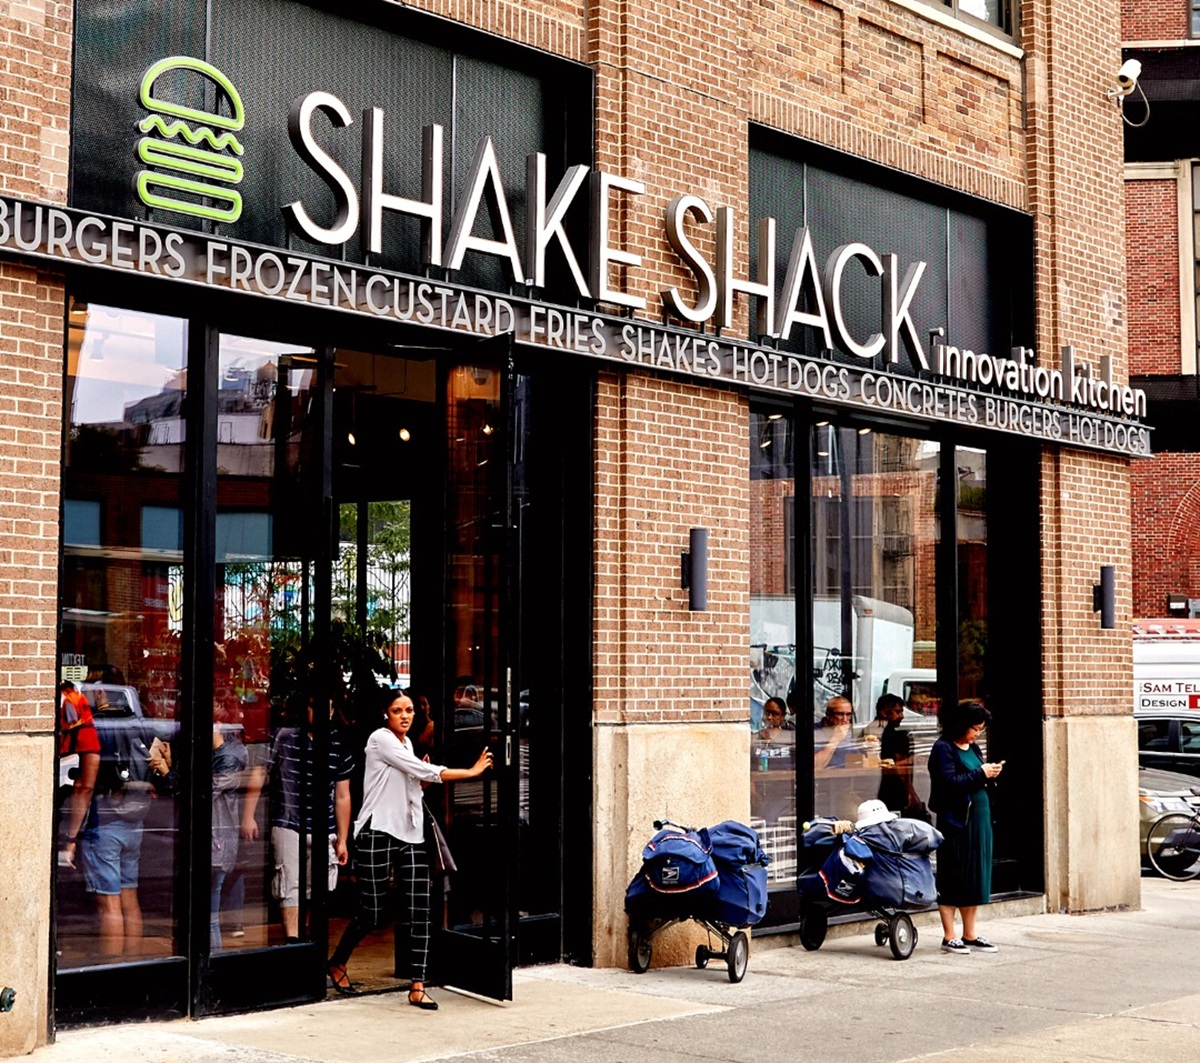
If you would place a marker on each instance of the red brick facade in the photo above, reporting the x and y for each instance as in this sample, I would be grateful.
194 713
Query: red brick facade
677 85
1166 548
35 70
1153 22
1166 531
1152 270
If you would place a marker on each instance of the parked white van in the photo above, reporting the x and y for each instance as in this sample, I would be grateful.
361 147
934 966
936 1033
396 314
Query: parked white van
918 687
1166 694
1166 665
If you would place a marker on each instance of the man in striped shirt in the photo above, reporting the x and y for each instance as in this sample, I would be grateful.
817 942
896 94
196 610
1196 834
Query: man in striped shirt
289 767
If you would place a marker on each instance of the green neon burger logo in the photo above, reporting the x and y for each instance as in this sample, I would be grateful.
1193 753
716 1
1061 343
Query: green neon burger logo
194 166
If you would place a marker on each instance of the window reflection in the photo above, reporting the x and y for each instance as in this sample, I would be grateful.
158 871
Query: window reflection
971 466
262 749
773 644
874 531
121 602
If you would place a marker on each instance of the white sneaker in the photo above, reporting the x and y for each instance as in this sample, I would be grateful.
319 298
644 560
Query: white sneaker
956 946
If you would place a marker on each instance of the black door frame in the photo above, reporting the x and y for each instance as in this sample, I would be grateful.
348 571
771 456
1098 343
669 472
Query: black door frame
198 984
1013 517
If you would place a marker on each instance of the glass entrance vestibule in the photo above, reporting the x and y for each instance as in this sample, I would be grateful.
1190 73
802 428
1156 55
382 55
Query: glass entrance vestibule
263 539
884 562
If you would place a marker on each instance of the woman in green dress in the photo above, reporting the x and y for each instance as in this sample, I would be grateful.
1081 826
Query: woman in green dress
958 777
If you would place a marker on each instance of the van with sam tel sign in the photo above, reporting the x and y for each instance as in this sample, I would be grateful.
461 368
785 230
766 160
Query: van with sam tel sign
1166 694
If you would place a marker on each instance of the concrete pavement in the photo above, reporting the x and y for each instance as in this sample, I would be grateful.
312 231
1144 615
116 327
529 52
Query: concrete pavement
1062 989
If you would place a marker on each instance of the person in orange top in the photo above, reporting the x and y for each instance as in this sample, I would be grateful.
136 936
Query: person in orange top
77 735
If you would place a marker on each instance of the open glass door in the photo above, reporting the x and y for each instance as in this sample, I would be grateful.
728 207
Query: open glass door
421 484
475 949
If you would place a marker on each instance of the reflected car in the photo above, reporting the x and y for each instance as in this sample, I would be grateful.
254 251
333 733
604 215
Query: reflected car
1169 740
1160 792
469 735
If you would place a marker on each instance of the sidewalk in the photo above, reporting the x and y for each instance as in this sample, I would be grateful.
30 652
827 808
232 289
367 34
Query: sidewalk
1111 986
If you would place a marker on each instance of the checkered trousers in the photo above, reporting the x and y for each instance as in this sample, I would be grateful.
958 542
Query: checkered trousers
376 854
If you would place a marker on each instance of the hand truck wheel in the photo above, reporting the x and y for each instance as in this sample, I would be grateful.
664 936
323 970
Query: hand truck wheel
739 956
881 934
902 935
702 957
814 922
640 950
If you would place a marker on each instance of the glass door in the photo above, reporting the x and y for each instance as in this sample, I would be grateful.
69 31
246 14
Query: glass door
420 585
267 753
474 950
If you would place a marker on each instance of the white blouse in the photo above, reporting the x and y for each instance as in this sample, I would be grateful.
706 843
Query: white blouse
392 787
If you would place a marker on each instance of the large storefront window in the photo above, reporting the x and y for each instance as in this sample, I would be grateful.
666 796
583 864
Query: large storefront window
874 616
852 570
122 593
773 643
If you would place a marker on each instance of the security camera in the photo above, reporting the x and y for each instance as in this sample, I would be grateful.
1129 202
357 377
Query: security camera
1127 76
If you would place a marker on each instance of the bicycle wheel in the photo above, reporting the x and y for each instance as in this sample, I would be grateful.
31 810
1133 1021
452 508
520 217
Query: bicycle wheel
1173 846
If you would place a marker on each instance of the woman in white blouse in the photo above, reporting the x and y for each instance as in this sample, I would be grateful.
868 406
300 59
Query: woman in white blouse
390 832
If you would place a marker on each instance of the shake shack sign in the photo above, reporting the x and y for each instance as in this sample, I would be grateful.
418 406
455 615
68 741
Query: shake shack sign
186 164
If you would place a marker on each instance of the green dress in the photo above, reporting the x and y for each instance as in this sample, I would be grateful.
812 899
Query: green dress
964 859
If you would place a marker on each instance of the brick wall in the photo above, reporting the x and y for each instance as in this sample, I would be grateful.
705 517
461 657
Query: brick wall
670 457
1076 194
879 81
1152 275
1141 21
557 27
35 58
1166 531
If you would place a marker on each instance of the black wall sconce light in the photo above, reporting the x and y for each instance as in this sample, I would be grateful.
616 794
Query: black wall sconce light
693 569
1104 597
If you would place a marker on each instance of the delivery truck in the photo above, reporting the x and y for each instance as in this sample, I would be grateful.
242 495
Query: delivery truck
1166 665
854 651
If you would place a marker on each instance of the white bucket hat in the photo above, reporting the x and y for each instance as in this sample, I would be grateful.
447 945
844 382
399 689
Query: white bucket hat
872 812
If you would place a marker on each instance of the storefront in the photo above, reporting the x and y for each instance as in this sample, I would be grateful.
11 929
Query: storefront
390 359
323 476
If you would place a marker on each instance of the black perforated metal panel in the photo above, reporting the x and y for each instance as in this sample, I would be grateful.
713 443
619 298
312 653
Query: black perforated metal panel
977 282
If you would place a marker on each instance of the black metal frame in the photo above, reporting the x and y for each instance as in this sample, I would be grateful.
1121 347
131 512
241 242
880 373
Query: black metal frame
1014 614
203 984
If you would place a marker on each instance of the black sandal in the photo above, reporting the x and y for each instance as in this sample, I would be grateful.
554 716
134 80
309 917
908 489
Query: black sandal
343 985
423 1000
